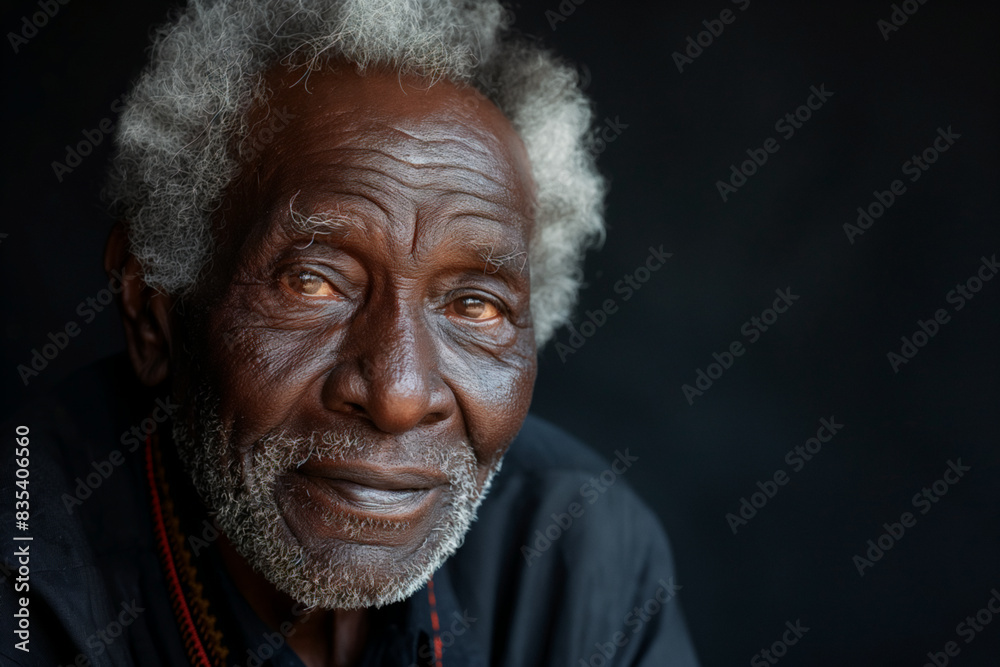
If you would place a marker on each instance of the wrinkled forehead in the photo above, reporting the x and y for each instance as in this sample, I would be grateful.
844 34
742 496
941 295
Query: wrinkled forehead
334 129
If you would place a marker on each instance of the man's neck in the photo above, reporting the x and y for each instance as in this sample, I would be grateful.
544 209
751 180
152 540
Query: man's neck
321 638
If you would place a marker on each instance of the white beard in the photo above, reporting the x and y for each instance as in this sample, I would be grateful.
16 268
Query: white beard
340 575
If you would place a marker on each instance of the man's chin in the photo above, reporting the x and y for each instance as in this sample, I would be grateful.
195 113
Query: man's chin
348 575
374 566
326 547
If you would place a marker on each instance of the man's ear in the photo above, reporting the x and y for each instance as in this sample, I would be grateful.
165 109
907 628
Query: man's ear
145 312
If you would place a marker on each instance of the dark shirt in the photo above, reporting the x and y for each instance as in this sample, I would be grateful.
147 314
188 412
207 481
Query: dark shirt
564 566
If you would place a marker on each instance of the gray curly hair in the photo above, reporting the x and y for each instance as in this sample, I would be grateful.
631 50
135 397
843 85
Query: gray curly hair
174 154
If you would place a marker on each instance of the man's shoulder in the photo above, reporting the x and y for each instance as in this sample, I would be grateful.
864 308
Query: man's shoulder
553 481
542 448
561 555
546 464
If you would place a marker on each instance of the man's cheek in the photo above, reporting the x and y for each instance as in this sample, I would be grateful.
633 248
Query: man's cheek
495 398
264 373
518 371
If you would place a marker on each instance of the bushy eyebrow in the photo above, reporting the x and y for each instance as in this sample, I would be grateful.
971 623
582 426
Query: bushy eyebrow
496 259
323 222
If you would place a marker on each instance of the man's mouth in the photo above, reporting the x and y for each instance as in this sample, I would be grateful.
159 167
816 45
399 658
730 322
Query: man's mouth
384 501
379 490
394 500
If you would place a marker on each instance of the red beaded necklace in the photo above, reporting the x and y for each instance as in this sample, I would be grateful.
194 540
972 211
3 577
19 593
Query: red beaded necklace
202 641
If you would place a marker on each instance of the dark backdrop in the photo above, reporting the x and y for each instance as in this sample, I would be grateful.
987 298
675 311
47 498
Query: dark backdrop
668 137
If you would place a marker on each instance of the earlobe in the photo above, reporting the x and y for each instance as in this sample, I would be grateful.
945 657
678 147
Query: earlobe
146 313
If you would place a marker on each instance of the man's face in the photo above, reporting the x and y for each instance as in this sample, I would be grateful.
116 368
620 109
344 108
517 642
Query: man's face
359 354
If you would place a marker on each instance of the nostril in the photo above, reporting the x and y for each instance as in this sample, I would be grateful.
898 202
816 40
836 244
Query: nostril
433 418
355 409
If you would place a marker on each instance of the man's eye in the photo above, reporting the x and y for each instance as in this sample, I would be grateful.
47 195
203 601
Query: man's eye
308 283
475 309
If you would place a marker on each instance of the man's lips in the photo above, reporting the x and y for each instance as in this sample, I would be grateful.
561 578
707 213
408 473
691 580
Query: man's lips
390 492
384 478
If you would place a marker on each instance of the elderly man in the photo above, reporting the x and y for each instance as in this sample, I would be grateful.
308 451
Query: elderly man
346 229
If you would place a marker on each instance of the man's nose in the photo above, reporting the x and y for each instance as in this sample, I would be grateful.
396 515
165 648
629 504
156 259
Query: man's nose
388 371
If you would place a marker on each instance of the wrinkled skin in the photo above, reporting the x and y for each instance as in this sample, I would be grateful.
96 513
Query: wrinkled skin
406 321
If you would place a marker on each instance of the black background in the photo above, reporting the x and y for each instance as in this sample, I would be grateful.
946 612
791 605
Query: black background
826 357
